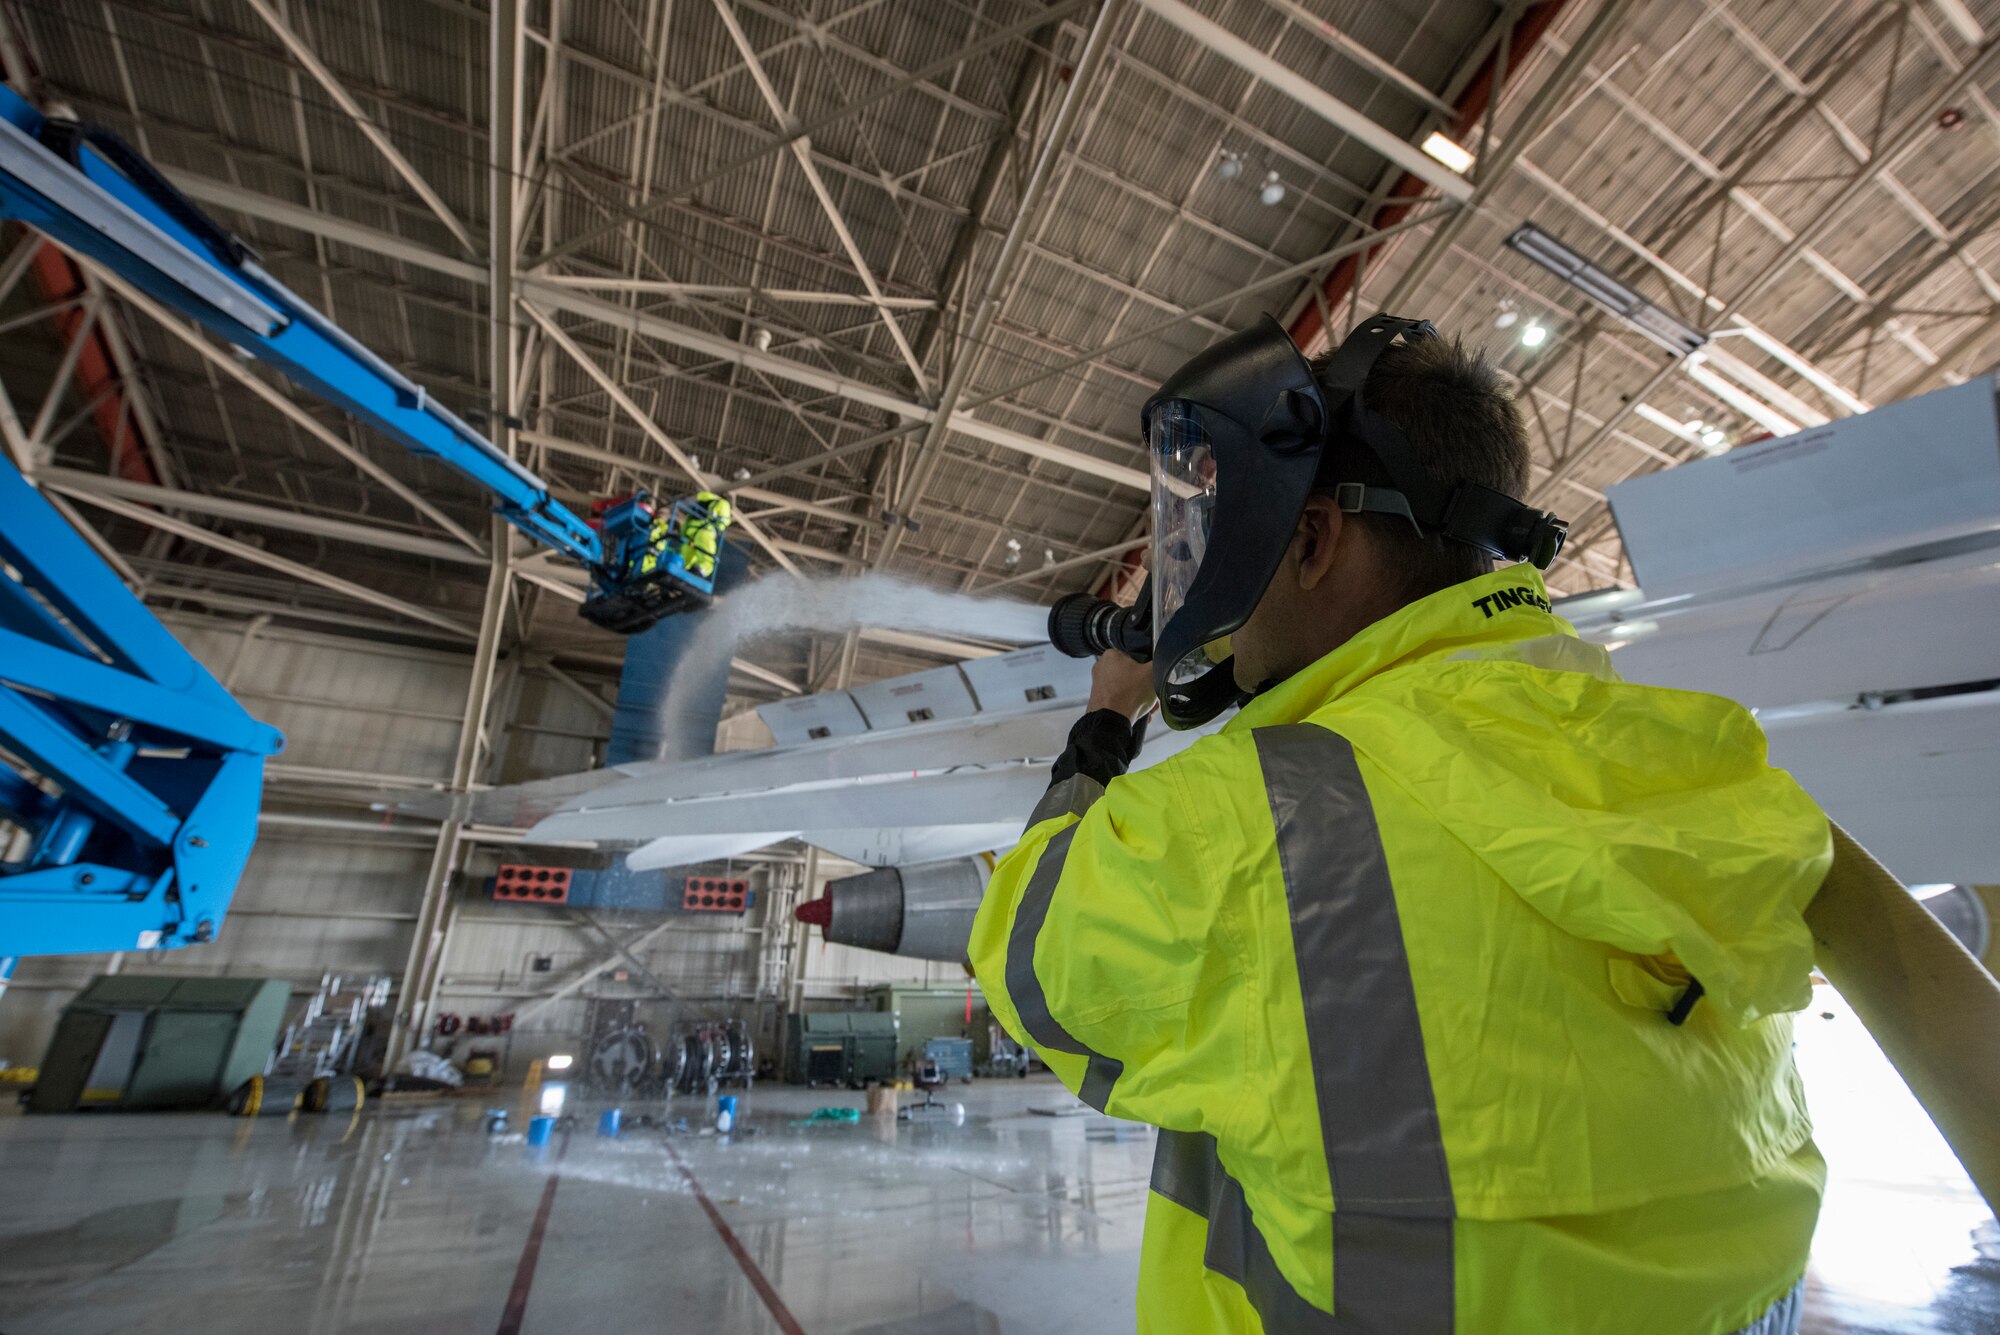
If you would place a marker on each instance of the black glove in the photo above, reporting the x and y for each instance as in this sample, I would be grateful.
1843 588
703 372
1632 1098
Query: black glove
1102 745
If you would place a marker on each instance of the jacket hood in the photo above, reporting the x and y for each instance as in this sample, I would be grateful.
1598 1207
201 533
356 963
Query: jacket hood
1645 819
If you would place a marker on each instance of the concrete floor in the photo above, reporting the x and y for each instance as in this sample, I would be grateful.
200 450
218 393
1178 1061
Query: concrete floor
412 1219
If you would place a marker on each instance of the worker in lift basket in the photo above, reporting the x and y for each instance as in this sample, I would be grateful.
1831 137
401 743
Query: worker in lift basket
699 535
1456 972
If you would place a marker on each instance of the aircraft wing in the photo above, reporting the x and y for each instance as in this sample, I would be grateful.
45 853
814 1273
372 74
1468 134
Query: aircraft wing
908 792
1843 582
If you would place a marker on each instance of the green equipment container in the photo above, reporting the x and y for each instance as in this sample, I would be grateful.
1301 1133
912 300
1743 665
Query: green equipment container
924 1013
135 1042
840 1048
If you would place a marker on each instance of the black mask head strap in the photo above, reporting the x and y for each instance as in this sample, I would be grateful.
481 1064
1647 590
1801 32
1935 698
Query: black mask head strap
1468 513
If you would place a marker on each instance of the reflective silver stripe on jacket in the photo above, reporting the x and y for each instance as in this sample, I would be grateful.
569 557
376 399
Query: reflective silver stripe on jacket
1188 1171
1073 796
1392 1221
1044 1030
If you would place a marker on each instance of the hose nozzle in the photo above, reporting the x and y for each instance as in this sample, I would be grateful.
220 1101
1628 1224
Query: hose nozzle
1085 626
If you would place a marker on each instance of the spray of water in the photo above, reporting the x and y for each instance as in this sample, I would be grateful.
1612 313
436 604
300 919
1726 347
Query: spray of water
780 603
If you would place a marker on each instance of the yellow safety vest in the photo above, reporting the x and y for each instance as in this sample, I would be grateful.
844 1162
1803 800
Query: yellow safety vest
1390 960
700 540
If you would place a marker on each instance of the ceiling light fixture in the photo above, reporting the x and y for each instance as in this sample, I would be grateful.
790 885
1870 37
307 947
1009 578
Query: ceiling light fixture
1448 151
1676 336
1507 317
1273 191
1228 165
1714 439
1534 335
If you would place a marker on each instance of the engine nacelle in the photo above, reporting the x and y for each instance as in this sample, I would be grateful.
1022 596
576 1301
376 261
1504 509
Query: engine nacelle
924 910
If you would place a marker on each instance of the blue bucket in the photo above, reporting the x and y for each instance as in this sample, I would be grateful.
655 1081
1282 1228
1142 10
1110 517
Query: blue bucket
539 1129
608 1120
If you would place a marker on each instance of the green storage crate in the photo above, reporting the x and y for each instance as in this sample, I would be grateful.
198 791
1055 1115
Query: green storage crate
136 1042
840 1047
923 1013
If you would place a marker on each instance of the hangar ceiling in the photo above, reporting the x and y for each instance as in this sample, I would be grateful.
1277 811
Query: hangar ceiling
902 274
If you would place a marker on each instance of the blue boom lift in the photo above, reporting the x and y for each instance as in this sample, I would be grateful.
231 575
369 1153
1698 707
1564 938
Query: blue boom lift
135 775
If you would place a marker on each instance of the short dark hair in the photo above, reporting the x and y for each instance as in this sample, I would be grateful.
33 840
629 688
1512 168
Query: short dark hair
1464 425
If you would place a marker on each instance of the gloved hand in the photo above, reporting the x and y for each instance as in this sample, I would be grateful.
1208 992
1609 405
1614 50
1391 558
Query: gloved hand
1120 682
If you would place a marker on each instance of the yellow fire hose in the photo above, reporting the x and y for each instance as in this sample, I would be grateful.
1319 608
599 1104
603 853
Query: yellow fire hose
1933 1007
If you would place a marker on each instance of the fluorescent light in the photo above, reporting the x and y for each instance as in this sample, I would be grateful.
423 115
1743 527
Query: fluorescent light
1449 152
553 1098
1676 336
1534 335
562 1061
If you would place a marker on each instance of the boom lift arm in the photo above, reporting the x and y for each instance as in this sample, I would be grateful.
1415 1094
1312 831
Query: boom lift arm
88 190
131 776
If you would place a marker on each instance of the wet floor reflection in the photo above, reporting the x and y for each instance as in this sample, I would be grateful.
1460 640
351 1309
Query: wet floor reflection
410 1220
1905 1245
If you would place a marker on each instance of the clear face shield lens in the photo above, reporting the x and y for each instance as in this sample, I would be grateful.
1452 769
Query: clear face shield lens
1183 468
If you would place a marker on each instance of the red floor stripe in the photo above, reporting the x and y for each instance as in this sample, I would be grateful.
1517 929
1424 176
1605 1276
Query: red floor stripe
524 1273
779 1312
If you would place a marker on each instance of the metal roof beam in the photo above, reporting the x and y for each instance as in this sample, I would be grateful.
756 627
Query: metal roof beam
1913 131
1499 162
1207 32
84 486
915 415
303 53
777 500
228 365
796 133
1360 54
1760 213
654 288
670 447
180 528
1854 145
1035 194
803 156
551 296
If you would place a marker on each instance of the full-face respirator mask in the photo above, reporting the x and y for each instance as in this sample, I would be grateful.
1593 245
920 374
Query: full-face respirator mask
1238 439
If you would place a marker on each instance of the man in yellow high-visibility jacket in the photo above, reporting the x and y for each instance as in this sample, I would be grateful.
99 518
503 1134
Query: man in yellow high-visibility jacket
697 535
701 533
1455 971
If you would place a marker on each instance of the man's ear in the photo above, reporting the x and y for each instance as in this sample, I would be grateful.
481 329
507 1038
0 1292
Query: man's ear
1320 525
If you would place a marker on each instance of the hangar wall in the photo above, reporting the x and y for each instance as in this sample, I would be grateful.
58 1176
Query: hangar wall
334 887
